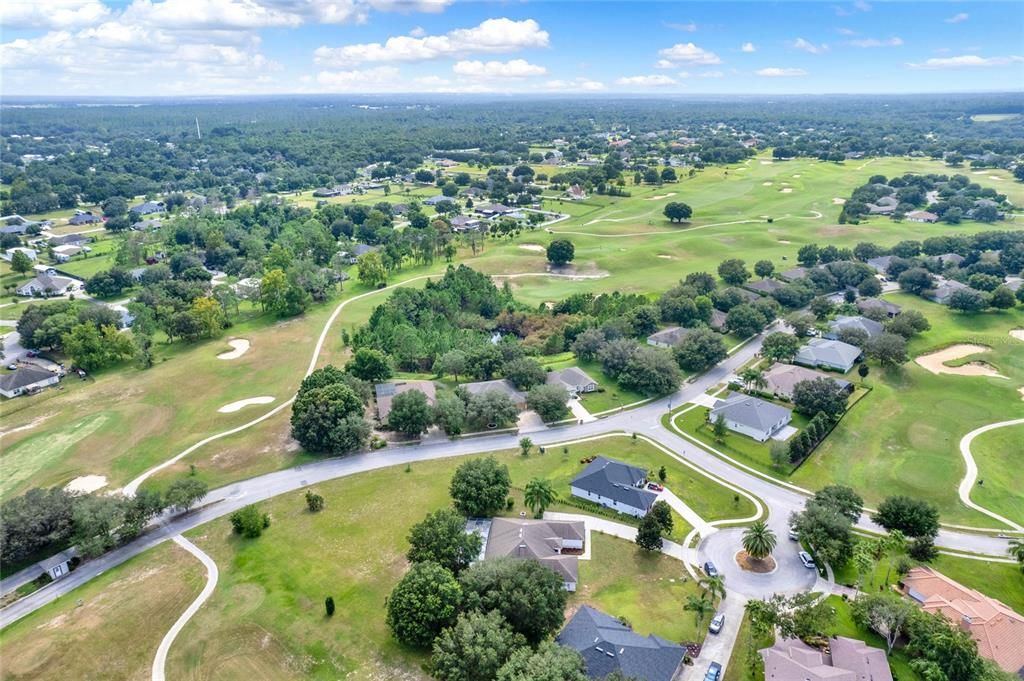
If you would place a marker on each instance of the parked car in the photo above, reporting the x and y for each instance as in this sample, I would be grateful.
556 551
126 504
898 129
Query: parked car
714 672
710 570
717 623
655 486
806 559
794 535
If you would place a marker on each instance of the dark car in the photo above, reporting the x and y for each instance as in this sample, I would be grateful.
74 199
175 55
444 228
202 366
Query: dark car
714 672
710 570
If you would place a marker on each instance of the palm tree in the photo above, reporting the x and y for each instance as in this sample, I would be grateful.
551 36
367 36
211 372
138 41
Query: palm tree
753 377
714 586
701 606
1017 551
894 545
539 494
759 540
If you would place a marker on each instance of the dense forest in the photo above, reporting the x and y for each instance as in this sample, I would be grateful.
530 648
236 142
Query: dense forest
59 152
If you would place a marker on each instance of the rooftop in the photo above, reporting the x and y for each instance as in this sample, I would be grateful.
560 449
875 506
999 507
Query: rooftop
750 411
607 645
615 480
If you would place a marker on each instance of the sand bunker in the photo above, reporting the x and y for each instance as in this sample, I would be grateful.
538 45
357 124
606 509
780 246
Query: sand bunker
766 184
935 362
86 484
532 247
1021 391
660 196
666 257
767 163
1017 333
784 241
241 404
797 175
978 172
994 177
786 190
239 346
838 201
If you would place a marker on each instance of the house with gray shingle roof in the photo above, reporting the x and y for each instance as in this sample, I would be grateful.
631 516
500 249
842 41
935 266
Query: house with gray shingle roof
842 322
794 274
750 416
666 338
764 286
869 304
26 379
386 392
828 354
944 290
501 385
615 485
573 379
880 264
607 645
541 540
781 379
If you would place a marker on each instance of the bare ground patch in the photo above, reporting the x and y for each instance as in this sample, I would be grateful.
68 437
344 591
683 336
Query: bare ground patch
1017 333
837 201
535 248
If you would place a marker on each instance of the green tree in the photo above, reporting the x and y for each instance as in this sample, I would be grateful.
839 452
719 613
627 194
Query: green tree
718 428
701 607
329 420
913 517
491 408
410 413
549 401
529 595
648 534
650 372
1016 551
524 373
539 494
733 272
422 604
715 586
764 268
475 648
371 271
20 262
184 493
820 396
662 513
561 251
441 537
369 365
329 606
450 414
759 541
452 363
677 211
888 348
93 348
550 662
745 320
249 521
1002 298
314 501
699 350
479 487
780 347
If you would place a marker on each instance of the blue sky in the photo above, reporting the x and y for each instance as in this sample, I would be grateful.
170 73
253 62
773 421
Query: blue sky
181 47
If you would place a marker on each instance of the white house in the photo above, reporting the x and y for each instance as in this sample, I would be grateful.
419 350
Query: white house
573 379
59 565
47 285
750 416
545 541
614 485
828 354
26 379
8 255
65 253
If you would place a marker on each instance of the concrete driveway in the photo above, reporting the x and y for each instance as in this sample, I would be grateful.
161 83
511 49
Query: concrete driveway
789 576
579 411
718 647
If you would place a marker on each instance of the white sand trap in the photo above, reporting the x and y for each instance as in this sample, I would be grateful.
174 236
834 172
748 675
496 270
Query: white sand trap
1021 391
783 241
838 201
995 177
86 484
1017 333
659 196
241 404
239 346
797 175
935 362
766 184
786 190
978 172
666 257
767 163
532 247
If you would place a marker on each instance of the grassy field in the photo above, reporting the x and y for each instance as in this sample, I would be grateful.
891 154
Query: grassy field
265 619
107 629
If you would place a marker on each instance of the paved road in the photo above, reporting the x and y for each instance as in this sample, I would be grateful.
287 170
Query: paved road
781 501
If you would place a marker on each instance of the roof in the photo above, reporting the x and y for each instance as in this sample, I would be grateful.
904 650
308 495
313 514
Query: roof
718 319
570 377
922 215
881 263
67 249
502 385
750 411
865 304
46 281
669 336
782 378
868 326
944 288
148 207
794 274
998 630
615 480
539 540
58 559
24 377
68 239
607 645
387 391
848 660
765 286
826 351
433 200
83 219
947 258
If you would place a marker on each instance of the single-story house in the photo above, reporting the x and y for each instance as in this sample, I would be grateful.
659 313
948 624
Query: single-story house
386 393
464 223
949 259
336 190
944 290
44 269
883 206
502 385
575 193
26 379
47 285
922 216
608 645
998 630
891 310
666 338
764 286
843 322
750 416
59 565
781 379
615 485
881 263
544 541
573 379
718 320
434 200
65 253
15 224
68 240
795 274
8 255
148 208
86 218
358 250
494 209
847 660
828 354
472 192
147 225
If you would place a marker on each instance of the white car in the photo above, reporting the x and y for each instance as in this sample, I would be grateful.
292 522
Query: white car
806 559
717 623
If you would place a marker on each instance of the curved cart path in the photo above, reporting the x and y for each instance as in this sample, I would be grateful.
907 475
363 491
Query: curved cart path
967 484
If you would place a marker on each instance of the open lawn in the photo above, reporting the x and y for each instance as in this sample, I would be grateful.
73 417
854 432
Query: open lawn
265 620
108 629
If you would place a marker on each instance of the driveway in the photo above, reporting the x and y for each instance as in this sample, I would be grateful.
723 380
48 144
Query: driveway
789 576
579 411
718 647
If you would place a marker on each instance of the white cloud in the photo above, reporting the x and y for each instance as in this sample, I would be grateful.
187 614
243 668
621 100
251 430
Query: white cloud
380 78
406 6
52 13
491 36
807 46
210 14
777 72
845 31
748 47
689 27
664 64
894 41
957 18
966 61
492 70
688 53
654 80
584 84
418 32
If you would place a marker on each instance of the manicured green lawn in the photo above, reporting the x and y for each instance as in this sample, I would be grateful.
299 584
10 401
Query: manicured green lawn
738 668
611 397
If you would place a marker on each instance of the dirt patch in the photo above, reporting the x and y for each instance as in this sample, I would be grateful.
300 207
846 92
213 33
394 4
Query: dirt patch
39 419
583 271
87 483
838 201
659 197
239 346
535 248
241 404
759 565
786 190
1017 333
935 362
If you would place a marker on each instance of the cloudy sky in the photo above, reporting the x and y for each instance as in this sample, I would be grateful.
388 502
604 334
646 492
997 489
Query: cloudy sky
201 47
